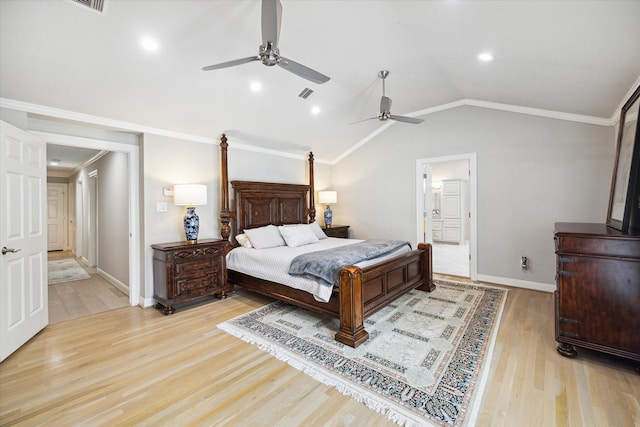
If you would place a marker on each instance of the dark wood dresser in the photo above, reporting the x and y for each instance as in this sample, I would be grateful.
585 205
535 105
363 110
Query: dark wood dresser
184 272
341 231
597 301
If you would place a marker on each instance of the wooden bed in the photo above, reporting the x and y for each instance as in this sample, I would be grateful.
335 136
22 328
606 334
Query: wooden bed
361 291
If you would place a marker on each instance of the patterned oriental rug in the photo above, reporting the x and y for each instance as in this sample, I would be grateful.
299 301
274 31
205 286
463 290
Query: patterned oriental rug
425 363
66 270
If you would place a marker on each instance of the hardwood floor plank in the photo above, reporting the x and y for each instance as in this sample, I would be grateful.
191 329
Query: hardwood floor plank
133 366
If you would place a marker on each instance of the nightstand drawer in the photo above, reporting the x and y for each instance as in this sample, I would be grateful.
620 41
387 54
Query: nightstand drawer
193 254
187 268
341 231
197 285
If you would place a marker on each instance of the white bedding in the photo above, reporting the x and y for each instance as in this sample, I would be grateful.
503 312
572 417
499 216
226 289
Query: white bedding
273 264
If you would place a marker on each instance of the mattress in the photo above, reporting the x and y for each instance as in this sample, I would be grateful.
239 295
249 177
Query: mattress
273 264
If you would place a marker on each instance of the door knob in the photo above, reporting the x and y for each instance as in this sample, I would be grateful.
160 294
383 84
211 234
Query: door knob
6 250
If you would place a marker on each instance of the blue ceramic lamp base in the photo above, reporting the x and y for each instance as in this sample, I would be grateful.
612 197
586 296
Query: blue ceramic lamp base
191 225
328 216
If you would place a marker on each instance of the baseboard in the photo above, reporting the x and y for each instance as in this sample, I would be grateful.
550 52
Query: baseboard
525 284
115 282
147 302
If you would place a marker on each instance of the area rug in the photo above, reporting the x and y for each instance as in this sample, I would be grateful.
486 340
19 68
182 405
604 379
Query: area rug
66 270
425 363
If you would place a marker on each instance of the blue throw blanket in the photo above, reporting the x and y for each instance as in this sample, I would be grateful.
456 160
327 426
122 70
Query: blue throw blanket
325 265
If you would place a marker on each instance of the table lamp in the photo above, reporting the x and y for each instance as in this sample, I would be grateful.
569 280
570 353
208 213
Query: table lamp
328 198
190 195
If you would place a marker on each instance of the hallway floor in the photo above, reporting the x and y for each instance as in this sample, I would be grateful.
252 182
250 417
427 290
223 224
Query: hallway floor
79 298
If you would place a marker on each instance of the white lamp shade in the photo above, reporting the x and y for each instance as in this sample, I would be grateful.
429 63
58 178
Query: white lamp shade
190 194
328 197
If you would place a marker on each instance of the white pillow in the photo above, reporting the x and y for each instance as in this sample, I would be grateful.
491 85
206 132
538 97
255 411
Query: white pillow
265 237
313 226
244 240
298 236
317 230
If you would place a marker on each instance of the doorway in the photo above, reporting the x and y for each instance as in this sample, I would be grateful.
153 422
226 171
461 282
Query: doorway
133 202
446 212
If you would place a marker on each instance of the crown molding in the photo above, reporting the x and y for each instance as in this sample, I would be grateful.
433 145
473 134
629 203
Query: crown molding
134 127
559 115
615 118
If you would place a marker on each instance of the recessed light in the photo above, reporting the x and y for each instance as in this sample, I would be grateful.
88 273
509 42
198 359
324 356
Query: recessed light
256 86
486 57
149 44
54 162
315 110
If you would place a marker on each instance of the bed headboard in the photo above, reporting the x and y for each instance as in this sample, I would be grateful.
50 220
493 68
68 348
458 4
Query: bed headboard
263 203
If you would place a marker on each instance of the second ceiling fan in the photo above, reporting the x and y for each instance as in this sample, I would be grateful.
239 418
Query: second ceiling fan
269 54
385 107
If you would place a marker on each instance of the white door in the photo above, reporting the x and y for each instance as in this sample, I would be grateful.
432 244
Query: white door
23 263
56 216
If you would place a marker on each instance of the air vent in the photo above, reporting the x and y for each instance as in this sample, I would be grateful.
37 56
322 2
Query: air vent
97 5
306 92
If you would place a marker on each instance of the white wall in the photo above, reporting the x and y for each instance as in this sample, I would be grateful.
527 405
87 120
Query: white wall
532 172
167 161
113 215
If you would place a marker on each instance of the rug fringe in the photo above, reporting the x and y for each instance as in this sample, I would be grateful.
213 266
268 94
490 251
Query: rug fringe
368 399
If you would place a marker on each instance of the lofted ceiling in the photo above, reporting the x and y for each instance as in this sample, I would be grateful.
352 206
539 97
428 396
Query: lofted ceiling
577 57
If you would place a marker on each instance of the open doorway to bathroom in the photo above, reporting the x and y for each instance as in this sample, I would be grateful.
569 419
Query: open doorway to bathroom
446 212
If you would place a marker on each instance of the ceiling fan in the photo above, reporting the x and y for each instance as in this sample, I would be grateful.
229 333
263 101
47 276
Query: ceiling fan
269 54
385 107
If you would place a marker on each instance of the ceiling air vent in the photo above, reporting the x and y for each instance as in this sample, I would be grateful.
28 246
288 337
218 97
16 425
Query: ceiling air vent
97 5
306 92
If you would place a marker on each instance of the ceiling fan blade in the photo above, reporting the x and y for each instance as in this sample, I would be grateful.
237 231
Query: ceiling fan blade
363 120
271 18
302 71
406 119
385 104
231 63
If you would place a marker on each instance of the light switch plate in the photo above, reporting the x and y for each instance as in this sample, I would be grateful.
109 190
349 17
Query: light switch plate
161 207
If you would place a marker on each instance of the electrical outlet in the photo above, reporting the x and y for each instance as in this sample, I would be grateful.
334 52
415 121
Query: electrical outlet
524 263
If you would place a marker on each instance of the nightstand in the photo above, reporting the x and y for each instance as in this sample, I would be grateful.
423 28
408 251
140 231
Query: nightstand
184 272
341 231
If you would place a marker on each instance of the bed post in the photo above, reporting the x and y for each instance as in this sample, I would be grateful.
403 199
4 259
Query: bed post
351 332
312 207
225 214
427 268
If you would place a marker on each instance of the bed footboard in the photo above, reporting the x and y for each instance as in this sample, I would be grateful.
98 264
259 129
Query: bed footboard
365 291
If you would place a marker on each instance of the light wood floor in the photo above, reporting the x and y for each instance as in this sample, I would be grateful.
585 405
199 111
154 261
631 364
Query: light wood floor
70 300
134 366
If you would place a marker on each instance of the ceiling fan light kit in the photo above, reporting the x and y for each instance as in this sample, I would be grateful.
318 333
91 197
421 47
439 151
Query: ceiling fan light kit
268 52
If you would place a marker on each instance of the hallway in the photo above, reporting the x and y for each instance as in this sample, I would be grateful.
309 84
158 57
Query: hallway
70 300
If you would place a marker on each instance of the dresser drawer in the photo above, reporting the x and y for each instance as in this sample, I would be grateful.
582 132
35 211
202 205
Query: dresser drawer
598 246
451 234
436 226
451 223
